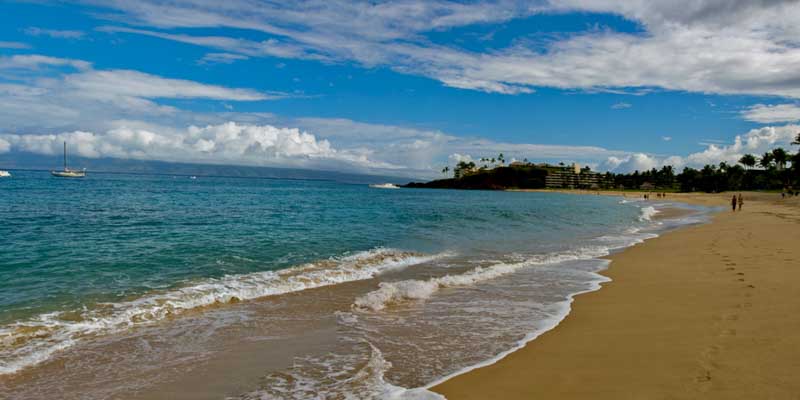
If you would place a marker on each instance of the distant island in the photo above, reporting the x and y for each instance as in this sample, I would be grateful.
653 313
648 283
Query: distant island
774 170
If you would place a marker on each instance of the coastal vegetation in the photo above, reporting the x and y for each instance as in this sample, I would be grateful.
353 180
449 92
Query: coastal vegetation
778 169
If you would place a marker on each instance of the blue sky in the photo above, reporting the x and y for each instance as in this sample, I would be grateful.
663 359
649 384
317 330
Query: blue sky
404 87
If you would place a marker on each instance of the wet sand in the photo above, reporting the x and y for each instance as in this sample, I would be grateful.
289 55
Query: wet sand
709 311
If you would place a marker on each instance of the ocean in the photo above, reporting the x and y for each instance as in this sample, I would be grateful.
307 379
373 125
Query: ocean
142 286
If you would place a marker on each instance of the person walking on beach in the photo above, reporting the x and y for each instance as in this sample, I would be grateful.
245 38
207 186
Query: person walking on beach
733 203
740 201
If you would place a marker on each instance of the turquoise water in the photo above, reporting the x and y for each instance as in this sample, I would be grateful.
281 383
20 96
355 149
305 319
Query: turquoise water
70 243
411 285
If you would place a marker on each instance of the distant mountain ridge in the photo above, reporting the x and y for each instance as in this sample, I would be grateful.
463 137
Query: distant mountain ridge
114 165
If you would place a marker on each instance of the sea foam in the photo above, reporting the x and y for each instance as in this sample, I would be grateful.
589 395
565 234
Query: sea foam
648 213
26 343
395 292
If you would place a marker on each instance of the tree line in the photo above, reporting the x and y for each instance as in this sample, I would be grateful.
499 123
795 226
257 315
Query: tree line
774 170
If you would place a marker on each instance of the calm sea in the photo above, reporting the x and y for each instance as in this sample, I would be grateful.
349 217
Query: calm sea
127 286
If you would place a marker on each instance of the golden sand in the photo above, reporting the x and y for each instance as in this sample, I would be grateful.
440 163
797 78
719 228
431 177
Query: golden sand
705 312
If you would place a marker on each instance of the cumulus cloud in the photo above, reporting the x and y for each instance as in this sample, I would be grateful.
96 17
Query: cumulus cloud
710 46
755 141
423 151
768 114
631 162
666 138
227 143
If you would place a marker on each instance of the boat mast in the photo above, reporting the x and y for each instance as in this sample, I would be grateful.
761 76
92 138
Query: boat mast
65 155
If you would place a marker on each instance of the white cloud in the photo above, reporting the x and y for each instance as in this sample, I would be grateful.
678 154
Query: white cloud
227 143
710 46
631 162
756 141
5 146
666 138
269 47
621 105
13 45
769 114
221 58
54 33
34 61
128 83
41 92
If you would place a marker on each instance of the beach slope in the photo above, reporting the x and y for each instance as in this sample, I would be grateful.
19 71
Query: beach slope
710 311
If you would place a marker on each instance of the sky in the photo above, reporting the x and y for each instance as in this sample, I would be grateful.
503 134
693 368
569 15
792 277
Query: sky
401 88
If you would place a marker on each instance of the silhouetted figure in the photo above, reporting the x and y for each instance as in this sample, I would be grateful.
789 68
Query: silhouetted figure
733 203
740 201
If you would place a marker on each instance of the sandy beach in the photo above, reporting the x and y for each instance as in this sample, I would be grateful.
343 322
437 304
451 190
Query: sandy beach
708 311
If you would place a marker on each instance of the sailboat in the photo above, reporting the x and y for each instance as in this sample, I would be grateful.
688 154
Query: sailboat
66 172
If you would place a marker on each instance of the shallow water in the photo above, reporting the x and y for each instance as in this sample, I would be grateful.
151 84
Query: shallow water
248 288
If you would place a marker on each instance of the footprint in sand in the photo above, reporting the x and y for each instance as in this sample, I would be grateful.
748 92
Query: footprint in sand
705 377
728 332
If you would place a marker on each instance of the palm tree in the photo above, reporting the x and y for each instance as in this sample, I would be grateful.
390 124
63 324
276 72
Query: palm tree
780 157
797 139
445 170
766 160
748 160
501 159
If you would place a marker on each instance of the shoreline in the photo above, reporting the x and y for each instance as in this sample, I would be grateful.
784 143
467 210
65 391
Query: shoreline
665 213
568 367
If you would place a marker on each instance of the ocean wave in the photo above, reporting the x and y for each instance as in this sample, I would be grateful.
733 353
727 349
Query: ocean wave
395 292
27 343
648 213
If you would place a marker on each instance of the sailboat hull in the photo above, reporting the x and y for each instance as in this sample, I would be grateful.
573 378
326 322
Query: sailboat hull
68 174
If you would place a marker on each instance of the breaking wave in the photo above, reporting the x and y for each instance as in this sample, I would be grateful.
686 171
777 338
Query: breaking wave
648 213
30 342
395 292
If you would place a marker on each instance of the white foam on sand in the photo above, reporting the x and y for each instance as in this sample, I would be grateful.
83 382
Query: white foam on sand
547 325
30 342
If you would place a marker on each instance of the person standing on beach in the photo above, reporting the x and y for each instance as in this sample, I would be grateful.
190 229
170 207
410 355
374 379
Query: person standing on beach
740 201
733 203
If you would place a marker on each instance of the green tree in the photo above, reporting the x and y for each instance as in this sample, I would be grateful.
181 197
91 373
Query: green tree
780 157
797 139
766 160
748 160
